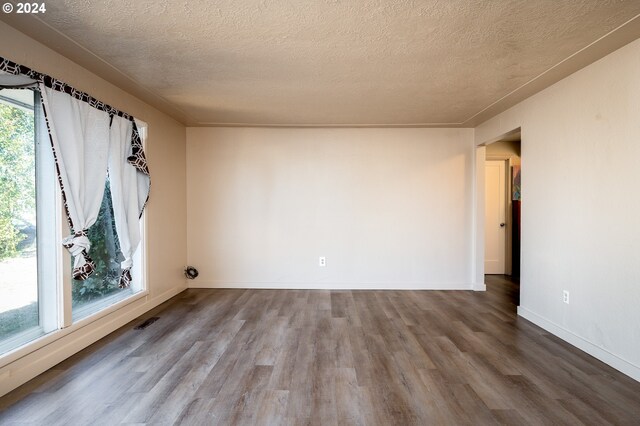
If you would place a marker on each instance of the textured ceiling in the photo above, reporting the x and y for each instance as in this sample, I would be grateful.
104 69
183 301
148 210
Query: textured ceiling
332 62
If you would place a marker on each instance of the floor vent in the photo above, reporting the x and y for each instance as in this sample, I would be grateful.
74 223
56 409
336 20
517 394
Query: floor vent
146 323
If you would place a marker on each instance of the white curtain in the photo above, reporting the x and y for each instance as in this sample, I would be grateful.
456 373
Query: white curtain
80 138
129 191
87 142
88 137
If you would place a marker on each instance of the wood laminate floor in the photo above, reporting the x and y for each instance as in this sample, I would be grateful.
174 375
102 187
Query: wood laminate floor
218 357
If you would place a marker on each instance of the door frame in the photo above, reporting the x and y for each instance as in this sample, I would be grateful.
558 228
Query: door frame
477 258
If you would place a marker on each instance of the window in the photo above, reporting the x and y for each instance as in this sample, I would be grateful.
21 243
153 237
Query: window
35 269
27 225
101 289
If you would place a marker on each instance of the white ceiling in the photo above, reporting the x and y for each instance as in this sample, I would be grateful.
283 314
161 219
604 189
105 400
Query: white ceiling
334 62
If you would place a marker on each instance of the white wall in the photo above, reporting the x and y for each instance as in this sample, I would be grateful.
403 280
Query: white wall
389 208
166 211
581 206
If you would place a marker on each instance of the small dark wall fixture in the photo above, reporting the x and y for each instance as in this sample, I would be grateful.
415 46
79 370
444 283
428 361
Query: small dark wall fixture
191 272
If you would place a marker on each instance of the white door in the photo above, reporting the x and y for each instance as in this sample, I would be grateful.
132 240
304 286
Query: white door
495 229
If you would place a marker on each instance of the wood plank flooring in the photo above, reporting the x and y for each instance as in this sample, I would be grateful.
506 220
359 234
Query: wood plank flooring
272 357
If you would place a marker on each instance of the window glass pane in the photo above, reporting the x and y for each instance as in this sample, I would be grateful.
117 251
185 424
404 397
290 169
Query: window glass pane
101 288
19 311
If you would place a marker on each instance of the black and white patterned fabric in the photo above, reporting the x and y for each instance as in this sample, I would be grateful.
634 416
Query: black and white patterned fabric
11 67
138 160
78 244
75 243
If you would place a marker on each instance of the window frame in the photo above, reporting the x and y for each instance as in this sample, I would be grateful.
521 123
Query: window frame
92 311
55 311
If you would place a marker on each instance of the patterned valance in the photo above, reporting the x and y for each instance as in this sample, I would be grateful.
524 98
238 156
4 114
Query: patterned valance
137 158
11 67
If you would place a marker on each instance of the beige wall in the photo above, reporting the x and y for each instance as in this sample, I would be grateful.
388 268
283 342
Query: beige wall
580 206
389 208
166 211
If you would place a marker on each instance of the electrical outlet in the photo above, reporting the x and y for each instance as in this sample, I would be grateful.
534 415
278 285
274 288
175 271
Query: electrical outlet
565 296
322 261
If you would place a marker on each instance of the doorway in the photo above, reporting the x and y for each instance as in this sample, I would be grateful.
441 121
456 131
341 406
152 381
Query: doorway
502 206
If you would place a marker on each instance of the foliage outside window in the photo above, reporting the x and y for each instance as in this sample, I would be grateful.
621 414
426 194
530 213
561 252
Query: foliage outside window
105 252
17 181
18 254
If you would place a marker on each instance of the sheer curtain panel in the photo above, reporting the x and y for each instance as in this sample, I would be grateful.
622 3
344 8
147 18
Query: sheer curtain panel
129 191
80 139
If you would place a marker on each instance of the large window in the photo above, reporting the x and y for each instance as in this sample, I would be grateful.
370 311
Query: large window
37 293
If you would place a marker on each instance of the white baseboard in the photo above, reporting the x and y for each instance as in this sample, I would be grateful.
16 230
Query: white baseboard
479 287
331 285
37 362
592 349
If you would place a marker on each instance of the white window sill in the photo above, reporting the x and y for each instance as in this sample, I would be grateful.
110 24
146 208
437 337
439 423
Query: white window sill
21 339
46 339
